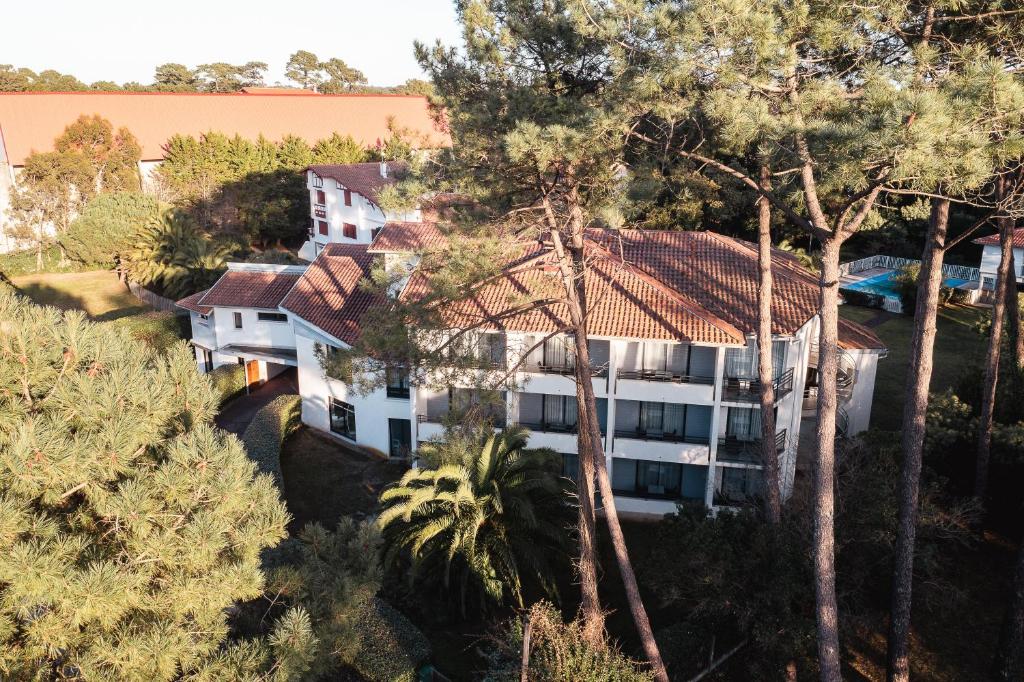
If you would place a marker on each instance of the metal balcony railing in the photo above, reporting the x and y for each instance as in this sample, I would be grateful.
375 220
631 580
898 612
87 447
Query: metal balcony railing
736 451
664 375
320 210
749 390
650 434
596 371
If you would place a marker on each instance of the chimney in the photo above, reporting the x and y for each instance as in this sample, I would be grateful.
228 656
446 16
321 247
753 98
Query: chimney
383 169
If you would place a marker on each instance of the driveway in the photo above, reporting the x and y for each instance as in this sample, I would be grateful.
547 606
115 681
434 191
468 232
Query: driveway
236 415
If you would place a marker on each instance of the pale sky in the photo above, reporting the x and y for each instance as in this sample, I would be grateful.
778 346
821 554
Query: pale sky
124 40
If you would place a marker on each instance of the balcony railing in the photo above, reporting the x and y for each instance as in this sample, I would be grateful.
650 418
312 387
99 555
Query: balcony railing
736 451
566 370
749 390
319 210
547 427
663 375
637 434
442 417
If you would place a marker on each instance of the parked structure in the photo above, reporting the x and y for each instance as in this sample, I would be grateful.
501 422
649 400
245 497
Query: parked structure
672 342
31 121
990 257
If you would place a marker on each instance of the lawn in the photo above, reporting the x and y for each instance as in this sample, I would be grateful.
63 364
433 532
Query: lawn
957 344
98 293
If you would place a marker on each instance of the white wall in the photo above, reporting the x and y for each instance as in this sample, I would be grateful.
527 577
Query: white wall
254 332
859 405
990 257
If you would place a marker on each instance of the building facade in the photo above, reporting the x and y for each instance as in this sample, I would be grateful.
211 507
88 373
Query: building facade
991 255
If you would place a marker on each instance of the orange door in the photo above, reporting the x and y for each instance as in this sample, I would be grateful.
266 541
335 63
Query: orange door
252 373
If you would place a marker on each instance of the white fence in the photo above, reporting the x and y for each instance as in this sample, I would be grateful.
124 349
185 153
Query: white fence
896 263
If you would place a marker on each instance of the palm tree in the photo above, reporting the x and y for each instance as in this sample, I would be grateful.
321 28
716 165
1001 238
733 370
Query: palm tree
489 518
176 256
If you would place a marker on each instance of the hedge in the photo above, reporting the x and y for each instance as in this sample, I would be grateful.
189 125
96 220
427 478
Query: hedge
228 381
391 648
267 431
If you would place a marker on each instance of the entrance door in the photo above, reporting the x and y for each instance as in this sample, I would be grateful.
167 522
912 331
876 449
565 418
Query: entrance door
252 374
400 438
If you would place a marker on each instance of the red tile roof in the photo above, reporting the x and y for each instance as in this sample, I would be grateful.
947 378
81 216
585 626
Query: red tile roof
993 239
191 303
403 237
623 302
30 121
328 295
364 178
249 289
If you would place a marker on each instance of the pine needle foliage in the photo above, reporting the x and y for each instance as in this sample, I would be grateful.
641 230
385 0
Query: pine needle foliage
485 522
128 524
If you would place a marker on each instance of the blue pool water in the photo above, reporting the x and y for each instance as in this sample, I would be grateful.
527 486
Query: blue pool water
885 284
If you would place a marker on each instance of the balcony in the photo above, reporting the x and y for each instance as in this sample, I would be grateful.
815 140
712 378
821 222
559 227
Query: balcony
496 420
663 375
547 427
749 390
598 371
662 436
736 451
319 210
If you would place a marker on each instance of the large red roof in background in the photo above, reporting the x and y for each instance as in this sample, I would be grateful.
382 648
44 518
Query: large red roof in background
30 121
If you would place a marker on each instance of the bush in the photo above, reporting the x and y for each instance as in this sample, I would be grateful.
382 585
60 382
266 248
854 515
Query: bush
108 226
18 263
391 648
228 382
159 329
268 429
863 298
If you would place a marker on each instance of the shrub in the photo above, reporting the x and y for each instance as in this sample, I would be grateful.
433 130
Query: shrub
159 329
558 651
268 429
228 382
863 298
108 226
390 648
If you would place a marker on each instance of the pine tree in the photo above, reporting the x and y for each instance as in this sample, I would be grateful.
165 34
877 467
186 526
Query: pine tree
129 524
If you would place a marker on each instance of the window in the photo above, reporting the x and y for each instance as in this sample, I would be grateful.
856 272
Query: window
348 197
374 232
343 419
560 412
398 382
202 317
400 438
322 227
571 466
348 230
271 317
321 197
740 363
207 360
743 423
675 422
988 283
317 180
238 320
658 479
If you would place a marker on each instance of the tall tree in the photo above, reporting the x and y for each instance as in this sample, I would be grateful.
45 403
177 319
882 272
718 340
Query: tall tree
765 369
175 78
114 156
224 77
340 76
305 68
130 524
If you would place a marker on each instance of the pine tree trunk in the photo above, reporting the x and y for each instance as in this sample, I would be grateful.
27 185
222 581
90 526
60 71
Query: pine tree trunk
915 407
1007 666
572 268
988 396
765 370
1013 313
590 606
824 470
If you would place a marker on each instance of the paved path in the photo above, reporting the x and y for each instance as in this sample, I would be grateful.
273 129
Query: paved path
236 415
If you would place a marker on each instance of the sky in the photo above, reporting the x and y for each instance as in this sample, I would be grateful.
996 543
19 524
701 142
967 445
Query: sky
124 40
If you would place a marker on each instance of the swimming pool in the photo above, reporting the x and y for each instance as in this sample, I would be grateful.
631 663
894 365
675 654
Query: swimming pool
885 284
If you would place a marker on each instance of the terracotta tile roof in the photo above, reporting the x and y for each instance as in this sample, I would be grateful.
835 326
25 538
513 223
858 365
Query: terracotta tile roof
328 295
623 302
248 289
403 237
364 178
719 273
30 121
993 239
191 303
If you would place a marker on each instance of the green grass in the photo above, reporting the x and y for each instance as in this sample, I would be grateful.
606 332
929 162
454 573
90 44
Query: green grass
98 293
20 263
957 344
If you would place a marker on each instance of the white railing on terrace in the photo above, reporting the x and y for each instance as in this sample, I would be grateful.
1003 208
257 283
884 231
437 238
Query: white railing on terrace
896 263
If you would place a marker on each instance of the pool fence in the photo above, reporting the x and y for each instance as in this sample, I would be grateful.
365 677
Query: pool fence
895 263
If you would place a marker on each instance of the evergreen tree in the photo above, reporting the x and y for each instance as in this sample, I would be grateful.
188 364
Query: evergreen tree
114 156
173 77
305 68
129 524
108 227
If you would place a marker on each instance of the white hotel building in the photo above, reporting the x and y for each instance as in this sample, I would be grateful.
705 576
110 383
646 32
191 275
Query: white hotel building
672 343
